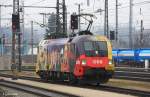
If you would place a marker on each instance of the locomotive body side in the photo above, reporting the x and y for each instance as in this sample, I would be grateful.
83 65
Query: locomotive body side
84 57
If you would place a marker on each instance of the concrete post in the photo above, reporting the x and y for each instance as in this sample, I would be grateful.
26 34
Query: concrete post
146 64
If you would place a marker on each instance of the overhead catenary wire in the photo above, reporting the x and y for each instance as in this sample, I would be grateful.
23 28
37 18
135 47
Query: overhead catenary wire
120 7
126 6
37 2
134 4
4 2
26 6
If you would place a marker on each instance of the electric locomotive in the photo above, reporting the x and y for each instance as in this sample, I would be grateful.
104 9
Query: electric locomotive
86 58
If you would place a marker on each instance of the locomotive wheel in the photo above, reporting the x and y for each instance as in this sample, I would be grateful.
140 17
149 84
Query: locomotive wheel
105 80
98 83
53 76
43 75
80 82
72 79
50 75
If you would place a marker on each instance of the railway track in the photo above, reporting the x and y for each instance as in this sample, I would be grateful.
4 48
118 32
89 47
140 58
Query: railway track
135 74
127 75
138 74
34 90
138 93
124 91
132 69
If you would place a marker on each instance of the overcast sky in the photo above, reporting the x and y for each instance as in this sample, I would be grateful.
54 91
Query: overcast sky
33 14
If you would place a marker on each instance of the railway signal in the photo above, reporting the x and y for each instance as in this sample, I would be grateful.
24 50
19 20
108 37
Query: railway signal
74 21
112 35
15 22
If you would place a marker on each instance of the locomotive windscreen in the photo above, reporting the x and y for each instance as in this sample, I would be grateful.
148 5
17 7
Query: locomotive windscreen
96 48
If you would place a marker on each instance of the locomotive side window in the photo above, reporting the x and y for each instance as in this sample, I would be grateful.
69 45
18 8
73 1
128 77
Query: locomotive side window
62 51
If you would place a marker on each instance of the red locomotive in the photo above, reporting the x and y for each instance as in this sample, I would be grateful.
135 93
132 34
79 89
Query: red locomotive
80 58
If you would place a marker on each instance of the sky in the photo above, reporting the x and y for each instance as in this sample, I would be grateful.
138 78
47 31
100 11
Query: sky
33 14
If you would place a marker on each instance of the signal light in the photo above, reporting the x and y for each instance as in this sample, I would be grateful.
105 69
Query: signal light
112 35
15 22
74 21
3 39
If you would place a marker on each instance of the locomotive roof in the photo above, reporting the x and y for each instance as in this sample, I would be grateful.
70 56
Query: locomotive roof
62 41
54 41
83 38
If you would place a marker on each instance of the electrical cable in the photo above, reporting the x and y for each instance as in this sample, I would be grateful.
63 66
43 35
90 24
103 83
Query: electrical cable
135 4
38 2
4 2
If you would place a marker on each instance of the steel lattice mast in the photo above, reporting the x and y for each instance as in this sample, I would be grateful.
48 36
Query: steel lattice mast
106 26
16 49
61 18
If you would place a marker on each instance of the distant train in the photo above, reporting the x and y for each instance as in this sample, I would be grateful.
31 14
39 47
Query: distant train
80 58
132 57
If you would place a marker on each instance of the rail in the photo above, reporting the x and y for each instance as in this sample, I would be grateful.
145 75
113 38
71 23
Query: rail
137 74
34 90
101 87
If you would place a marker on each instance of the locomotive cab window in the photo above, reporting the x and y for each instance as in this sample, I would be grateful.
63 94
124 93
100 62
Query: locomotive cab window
96 48
88 46
102 48
89 49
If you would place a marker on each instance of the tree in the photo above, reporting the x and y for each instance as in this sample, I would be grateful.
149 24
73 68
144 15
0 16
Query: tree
51 26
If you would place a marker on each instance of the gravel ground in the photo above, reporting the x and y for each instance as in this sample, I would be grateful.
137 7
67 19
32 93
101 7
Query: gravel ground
137 85
9 92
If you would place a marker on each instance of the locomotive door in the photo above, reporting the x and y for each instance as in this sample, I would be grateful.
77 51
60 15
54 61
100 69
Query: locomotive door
72 55
69 58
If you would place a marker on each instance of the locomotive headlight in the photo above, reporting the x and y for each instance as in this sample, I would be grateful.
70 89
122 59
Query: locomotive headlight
110 62
83 62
